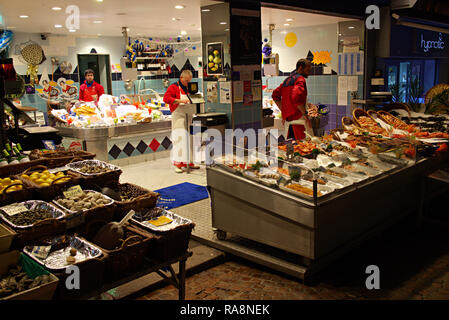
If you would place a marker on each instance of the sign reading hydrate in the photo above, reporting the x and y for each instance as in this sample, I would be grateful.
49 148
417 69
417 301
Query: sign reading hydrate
73 192
426 45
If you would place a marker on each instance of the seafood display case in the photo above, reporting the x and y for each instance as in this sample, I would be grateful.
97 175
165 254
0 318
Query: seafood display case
317 205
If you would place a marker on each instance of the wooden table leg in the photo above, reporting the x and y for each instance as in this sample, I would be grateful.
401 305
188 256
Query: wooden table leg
182 280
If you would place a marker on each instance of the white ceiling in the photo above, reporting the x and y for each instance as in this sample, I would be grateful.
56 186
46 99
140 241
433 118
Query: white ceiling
144 18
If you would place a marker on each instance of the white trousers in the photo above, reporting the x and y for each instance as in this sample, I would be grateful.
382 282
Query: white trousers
182 140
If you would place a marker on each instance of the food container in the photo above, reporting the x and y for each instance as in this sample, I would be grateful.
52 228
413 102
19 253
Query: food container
127 257
325 190
143 199
8 197
41 292
91 263
174 237
43 228
47 193
57 158
6 237
110 178
76 218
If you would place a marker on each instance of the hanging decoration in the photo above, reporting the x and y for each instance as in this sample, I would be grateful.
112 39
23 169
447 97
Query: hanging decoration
321 57
266 50
5 40
33 55
290 39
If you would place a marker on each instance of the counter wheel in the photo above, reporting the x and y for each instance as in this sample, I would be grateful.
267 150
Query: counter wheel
221 235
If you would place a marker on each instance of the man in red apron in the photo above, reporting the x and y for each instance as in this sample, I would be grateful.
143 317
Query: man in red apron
291 98
177 97
90 90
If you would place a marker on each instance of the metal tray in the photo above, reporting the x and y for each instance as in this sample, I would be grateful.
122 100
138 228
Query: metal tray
56 260
35 204
325 190
354 177
111 201
75 166
141 219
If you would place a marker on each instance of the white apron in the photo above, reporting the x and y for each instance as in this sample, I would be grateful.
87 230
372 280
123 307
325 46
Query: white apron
180 135
308 130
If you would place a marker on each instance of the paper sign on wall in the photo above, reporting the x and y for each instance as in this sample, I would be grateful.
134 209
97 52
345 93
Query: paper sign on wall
238 91
212 92
257 90
225 92
342 91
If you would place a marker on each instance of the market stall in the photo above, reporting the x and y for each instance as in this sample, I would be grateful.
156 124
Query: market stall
117 128
73 210
325 195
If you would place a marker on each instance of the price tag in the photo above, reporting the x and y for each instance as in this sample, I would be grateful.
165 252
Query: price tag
65 168
14 209
160 221
73 192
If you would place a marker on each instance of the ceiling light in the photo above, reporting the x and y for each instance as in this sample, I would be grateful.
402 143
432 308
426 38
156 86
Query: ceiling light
205 10
127 29
99 34
56 8
223 22
24 17
98 21
72 30
289 19
339 34
351 27
58 26
284 32
226 29
179 7
183 32
99 0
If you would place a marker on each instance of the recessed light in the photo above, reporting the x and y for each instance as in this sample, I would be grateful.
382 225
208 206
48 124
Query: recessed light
99 34
23 17
176 19
289 19
339 34
351 27
183 32
179 7
205 10
56 8
286 24
226 29
72 30
98 21
99 0
223 22
284 32
127 29
58 26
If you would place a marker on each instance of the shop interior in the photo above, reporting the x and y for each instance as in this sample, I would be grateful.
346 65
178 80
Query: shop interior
272 219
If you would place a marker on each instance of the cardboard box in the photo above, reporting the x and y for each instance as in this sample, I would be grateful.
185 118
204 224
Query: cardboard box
6 237
42 292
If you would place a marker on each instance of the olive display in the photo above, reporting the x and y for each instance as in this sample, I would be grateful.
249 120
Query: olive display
93 169
87 200
29 217
16 280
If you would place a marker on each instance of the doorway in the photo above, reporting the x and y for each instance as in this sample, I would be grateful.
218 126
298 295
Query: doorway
100 64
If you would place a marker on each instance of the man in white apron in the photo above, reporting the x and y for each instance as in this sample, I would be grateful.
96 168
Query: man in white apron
182 109
291 98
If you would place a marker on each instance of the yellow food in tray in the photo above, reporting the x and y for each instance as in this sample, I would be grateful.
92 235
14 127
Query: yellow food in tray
85 110
301 189
5 182
45 178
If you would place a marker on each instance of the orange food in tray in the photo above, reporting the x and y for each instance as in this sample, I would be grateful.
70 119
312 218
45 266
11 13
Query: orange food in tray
398 124
301 189
301 147
371 125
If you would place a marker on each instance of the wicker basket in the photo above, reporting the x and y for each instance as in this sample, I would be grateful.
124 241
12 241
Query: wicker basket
61 158
346 122
129 256
16 196
12 169
42 229
47 193
381 115
144 199
357 113
397 105
372 113
172 244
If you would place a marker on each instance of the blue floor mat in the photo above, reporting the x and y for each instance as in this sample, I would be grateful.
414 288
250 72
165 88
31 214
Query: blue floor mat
180 195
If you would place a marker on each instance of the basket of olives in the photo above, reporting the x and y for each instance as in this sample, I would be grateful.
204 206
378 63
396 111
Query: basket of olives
32 220
48 185
96 171
135 198
87 206
13 190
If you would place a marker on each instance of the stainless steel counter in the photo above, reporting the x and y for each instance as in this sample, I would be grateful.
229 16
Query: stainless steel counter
318 231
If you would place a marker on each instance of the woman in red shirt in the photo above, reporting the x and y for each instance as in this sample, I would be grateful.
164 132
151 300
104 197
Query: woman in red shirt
177 97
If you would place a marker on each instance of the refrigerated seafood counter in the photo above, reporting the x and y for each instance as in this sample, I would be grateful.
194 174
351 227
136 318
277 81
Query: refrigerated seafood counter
121 142
317 207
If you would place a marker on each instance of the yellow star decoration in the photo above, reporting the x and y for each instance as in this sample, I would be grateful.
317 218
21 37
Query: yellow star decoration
321 57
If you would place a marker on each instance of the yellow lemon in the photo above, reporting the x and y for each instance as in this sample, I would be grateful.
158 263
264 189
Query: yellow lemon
39 181
25 176
60 173
45 184
7 180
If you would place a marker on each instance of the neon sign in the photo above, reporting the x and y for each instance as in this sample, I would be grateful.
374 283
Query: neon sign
435 44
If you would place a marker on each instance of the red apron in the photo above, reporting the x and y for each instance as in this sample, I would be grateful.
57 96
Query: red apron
89 92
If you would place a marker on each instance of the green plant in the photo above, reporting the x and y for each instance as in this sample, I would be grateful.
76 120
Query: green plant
396 92
439 103
415 94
